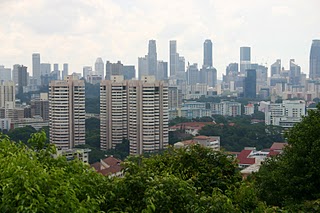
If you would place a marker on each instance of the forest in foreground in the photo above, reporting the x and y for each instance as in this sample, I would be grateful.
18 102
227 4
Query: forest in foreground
193 179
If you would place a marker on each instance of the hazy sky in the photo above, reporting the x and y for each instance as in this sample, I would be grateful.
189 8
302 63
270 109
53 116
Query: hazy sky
79 31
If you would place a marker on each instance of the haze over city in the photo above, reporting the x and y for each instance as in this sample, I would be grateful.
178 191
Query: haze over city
77 32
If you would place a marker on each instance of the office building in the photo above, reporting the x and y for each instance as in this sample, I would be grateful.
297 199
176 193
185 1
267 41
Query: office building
294 73
136 110
276 68
129 72
45 69
40 107
67 112
36 74
142 67
174 57
162 70
250 84
5 73
22 78
152 58
207 53
245 59
113 69
192 74
65 71
226 108
15 72
314 72
86 71
284 114
7 93
208 75
99 67
175 97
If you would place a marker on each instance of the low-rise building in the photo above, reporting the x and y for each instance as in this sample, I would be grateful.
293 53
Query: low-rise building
212 142
285 114
71 154
109 166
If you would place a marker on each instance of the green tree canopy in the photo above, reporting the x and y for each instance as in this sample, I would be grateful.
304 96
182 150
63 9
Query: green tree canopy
294 176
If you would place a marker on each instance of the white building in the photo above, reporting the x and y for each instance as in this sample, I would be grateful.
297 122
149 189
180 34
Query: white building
99 68
7 93
136 110
249 109
285 114
67 112
226 108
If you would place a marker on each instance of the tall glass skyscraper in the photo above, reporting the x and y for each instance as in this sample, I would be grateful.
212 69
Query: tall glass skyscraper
314 72
245 59
207 53
152 58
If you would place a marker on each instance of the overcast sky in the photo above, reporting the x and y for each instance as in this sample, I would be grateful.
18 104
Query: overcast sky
79 31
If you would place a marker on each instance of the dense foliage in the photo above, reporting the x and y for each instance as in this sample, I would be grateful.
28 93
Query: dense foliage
195 179
237 133
294 177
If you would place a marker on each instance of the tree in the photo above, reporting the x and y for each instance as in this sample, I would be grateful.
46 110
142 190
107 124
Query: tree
32 181
294 176
21 134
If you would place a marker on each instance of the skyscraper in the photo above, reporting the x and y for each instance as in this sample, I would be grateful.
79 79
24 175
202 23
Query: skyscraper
207 53
314 72
5 73
152 58
174 57
294 73
67 112
113 69
245 59
192 74
86 70
99 67
36 74
250 84
136 110
276 68
15 71
162 70
65 71
142 67
7 93
22 78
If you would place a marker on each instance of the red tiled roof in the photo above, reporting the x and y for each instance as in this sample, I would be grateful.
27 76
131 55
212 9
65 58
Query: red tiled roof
96 166
243 157
201 137
188 142
277 146
111 161
110 170
250 105
273 153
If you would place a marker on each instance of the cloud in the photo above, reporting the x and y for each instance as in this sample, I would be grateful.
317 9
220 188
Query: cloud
79 31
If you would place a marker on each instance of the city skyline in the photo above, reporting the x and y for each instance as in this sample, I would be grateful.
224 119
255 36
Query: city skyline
78 38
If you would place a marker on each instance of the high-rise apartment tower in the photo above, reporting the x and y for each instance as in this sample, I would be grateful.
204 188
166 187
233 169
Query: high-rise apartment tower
67 112
136 110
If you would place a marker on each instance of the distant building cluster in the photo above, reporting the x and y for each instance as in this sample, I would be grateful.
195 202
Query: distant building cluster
137 105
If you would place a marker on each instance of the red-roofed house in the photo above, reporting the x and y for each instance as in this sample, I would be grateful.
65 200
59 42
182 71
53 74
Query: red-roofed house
109 166
276 148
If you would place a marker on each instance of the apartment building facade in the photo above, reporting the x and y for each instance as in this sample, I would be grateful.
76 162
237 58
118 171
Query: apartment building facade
136 110
67 112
